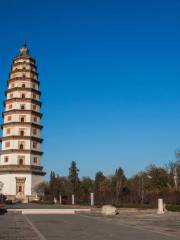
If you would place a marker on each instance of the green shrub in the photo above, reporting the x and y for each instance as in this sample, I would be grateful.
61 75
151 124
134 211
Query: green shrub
173 208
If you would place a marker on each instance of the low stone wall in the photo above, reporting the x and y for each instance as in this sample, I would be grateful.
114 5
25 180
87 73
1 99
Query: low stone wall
49 211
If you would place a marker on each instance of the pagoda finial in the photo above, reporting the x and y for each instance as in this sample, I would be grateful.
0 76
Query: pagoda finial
24 51
25 44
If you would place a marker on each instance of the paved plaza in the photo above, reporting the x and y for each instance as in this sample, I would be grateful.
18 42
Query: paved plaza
125 226
15 227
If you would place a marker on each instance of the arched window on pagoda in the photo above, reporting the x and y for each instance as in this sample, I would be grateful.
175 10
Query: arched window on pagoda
21 161
22 107
21 146
21 133
22 119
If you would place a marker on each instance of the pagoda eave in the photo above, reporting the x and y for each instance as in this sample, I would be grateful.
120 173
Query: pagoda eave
18 111
14 137
21 124
30 100
21 151
23 79
22 89
24 57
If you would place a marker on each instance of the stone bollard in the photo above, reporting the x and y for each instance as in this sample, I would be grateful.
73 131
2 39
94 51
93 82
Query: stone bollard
36 197
160 206
73 202
55 200
92 199
60 199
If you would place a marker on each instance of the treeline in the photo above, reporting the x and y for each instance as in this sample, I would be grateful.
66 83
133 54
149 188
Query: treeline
144 188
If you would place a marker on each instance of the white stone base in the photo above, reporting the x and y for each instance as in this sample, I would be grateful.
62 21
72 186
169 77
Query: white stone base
9 181
50 211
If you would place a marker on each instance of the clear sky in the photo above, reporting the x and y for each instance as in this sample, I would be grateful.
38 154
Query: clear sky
110 79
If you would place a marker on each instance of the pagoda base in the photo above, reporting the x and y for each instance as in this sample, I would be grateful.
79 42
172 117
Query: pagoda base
20 186
24 199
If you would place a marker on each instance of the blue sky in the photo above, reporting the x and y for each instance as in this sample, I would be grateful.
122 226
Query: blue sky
110 78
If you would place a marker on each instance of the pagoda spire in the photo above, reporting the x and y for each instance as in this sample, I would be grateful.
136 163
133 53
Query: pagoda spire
24 50
25 44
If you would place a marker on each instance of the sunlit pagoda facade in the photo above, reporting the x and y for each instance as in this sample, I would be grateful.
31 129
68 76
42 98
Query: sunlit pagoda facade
20 159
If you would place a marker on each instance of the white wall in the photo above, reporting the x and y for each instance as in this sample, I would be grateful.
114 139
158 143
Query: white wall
16 118
17 105
14 144
9 181
18 94
19 83
13 158
15 131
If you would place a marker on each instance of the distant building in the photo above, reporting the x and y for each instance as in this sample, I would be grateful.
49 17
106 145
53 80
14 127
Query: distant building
20 159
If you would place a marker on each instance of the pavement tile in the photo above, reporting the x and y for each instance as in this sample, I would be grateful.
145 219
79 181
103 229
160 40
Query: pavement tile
15 227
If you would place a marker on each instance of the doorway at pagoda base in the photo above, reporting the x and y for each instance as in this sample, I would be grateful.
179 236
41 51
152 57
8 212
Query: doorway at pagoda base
20 187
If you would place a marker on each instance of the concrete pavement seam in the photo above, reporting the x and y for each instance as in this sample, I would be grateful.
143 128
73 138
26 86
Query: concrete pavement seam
39 234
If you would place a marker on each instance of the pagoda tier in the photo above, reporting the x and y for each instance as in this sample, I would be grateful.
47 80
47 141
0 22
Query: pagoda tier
21 111
21 139
30 80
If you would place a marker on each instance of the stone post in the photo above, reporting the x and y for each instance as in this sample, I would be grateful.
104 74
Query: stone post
36 197
60 199
92 199
55 200
73 199
160 206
